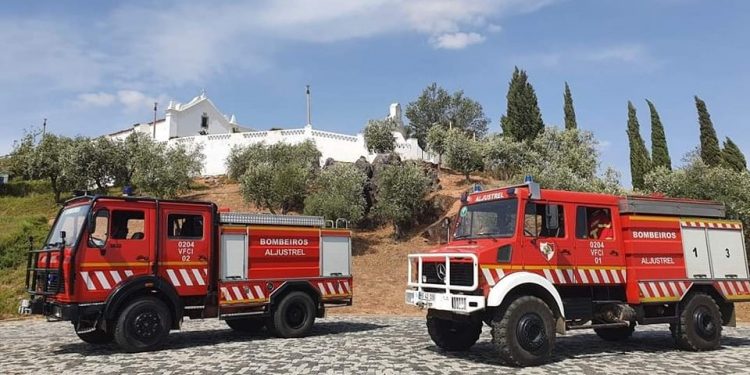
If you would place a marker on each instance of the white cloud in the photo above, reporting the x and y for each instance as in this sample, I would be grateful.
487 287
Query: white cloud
456 40
628 53
96 99
632 54
128 100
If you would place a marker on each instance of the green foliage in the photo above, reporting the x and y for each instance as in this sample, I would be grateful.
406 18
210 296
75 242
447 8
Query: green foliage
15 244
570 112
22 188
435 106
659 149
640 162
710 152
462 153
523 119
698 180
275 177
732 157
90 162
379 136
21 159
401 195
437 141
338 194
557 159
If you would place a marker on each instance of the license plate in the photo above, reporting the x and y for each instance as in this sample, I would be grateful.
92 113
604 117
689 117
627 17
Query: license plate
425 296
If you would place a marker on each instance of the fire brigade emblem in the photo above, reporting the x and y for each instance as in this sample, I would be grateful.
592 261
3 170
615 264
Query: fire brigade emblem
547 249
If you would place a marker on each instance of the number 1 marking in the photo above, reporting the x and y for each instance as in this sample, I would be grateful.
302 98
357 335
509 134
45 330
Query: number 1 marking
695 251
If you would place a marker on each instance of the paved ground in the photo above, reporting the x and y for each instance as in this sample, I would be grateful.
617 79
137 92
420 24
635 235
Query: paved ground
352 345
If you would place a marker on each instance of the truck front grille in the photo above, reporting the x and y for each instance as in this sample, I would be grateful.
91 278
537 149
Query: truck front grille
462 274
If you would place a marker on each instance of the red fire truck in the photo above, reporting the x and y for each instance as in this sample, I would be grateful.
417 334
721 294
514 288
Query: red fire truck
129 269
533 262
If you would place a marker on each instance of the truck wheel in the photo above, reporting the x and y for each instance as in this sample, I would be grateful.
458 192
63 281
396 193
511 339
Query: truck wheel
246 325
96 337
699 326
524 334
452 335
615 334
293 316
143 325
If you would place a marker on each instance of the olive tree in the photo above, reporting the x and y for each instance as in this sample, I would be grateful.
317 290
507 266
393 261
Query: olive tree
462 153
339 193
436 142
379 136
401 195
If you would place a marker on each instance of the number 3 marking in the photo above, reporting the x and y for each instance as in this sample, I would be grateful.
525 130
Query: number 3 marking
727 252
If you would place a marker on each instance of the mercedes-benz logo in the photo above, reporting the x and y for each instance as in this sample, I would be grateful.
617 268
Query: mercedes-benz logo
440 271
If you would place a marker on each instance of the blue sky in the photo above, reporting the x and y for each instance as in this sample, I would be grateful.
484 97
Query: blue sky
95 68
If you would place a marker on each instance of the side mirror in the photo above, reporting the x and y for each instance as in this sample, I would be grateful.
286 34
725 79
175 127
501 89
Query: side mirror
552 216
98 228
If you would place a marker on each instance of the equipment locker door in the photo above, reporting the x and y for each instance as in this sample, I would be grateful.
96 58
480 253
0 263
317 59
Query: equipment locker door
727 249
695 246
185 247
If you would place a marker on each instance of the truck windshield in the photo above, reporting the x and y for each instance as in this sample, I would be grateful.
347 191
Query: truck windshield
71 221
490 219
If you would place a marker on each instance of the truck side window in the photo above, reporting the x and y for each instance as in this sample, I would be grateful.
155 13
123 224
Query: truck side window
594 223
185 226
535 221
127 225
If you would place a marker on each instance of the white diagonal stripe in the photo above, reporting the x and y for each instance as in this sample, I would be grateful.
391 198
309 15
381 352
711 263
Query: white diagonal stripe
205 272
560 276
723 289
249 293
664 289
548 275
488 276
500 273
341 290
571 275
102 279
128 273
322 289
87 279
227 295
173 277
674 289
582 275
186 277
616 276
198 277
731 287
605 276
237 293
346 285
259 292
115 276
594 277
331 288
644 290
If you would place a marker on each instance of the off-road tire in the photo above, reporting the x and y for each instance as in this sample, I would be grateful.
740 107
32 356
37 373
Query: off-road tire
96 337
293 316
615 334
699 325
524 333
143 325
453 335
246 325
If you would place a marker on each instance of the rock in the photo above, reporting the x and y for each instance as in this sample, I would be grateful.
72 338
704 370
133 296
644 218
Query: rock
329 162
363 165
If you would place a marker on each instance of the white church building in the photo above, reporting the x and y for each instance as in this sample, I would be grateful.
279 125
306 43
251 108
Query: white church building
199 123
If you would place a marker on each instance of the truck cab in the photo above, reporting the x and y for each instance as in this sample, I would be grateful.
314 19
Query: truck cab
533 262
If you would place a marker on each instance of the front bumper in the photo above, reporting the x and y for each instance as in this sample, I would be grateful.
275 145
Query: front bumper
457 303
60 311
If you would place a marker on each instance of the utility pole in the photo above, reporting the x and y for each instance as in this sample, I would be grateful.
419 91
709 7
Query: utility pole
309 103
153 126
44 127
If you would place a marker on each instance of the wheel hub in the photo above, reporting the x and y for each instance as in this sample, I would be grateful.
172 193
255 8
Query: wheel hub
296 315
704 323
531 333
147 324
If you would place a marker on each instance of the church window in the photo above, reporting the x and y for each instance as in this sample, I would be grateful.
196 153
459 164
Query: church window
204 121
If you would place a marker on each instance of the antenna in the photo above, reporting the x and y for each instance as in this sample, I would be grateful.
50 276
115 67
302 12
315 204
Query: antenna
309 104
153 126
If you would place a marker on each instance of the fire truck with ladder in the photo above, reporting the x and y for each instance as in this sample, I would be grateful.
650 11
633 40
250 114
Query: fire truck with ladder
532 263
130 269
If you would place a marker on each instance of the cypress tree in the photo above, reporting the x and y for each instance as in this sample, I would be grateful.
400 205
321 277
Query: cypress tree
710 151
659 150
570 112
523 119
640 163
732 157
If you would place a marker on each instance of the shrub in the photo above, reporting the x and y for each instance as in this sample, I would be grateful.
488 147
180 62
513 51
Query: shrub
339 193
400 196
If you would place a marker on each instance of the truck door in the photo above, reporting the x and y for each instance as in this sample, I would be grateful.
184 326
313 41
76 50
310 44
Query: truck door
547 247
599 258
186 243
127 252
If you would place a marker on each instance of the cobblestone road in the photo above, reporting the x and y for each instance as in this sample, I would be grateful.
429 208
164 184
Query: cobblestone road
352 345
